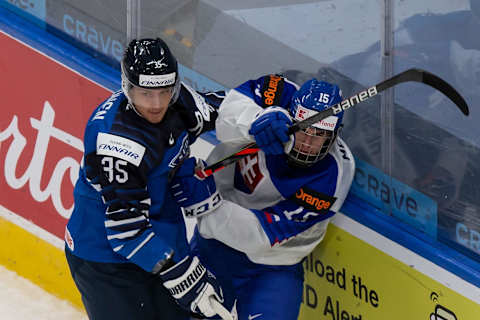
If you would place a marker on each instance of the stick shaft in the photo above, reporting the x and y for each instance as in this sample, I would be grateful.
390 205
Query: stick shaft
416 75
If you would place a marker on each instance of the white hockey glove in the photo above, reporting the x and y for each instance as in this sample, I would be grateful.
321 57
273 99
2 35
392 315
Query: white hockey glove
196 195
192 286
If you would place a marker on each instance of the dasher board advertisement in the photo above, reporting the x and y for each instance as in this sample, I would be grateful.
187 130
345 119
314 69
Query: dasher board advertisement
350 276
45 106
41 132
49 93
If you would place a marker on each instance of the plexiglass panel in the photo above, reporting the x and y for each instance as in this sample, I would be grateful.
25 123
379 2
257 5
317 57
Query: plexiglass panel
436 147
416 153
97 27
232 41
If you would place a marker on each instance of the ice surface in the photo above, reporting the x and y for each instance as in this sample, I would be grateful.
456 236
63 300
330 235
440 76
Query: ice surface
21 299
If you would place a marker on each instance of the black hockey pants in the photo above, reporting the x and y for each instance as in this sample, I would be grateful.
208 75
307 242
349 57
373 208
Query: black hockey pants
122 291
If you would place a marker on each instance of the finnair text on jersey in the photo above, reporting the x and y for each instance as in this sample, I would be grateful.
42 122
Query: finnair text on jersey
121 150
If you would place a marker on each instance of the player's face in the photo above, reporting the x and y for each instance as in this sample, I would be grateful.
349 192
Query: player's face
152 104
310 141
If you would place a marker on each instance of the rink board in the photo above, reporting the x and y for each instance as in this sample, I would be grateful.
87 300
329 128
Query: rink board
41 129
36 255
43 117
355 273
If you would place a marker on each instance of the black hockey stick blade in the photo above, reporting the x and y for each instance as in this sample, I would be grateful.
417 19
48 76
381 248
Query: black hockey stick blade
414 74
419 75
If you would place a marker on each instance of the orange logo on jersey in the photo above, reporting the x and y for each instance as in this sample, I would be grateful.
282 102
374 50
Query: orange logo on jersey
270 92
313 200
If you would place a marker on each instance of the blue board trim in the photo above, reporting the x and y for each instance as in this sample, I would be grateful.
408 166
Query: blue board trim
63 52
406 236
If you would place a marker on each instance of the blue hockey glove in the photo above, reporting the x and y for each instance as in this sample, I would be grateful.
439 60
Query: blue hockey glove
192 285
196 196
270 129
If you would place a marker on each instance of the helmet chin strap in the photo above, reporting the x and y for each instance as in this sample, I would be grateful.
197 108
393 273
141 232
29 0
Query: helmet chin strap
126 86
131 105
176 92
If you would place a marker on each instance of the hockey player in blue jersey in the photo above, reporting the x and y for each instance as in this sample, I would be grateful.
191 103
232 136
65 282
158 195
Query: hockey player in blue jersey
276 203
126 240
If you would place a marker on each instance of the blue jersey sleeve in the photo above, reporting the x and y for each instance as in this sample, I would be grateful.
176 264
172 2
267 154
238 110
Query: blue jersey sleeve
293 216
117 168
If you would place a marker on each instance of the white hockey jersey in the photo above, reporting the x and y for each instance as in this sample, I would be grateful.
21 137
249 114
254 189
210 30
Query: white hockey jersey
274 213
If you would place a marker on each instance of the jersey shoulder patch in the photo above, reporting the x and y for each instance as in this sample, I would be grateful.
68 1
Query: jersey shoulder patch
120 147
271 90
274 90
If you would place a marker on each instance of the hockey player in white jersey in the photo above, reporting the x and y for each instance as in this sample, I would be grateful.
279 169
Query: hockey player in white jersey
275 204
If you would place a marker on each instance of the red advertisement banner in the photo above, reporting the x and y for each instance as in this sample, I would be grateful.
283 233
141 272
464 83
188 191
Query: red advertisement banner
45 106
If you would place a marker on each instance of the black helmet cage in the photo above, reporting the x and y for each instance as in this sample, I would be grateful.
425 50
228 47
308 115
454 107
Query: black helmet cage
299 158
149 63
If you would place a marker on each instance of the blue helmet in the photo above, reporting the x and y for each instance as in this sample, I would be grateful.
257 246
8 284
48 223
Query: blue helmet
315 96
312 97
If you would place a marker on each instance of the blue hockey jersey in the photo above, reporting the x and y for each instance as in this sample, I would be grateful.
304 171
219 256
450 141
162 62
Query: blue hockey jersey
123 210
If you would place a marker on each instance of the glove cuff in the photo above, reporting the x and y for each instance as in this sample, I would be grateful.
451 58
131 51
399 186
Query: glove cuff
202 208
164 263
183 276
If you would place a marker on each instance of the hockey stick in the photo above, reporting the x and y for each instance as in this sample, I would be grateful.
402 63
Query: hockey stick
416 75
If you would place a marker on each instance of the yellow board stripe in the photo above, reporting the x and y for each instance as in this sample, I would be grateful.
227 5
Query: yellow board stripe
37 260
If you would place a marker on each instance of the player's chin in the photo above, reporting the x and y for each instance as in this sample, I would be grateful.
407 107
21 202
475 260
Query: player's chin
155 117
307 152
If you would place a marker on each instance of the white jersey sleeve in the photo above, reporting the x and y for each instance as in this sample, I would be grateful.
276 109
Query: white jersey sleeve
236 113
233 223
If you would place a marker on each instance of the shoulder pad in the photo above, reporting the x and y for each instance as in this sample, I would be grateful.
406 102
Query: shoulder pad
195 101
272 90
199 114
